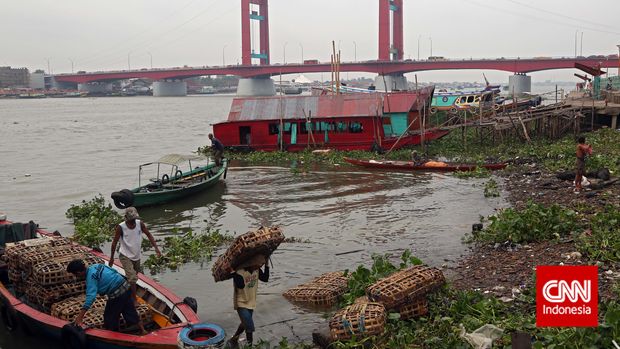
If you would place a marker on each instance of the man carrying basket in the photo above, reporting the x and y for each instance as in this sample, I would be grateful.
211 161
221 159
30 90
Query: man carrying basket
245 280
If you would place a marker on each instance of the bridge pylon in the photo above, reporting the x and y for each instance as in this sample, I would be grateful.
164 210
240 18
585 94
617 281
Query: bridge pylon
254 10
391 19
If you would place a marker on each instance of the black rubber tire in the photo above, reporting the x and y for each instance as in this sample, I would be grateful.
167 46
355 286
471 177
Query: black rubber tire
9 317
192 303
178 174
123 199
165 179
73 337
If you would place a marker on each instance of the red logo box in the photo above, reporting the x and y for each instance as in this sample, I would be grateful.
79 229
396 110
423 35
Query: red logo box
566 296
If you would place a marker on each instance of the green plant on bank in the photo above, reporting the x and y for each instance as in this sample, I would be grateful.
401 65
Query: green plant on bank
534 222
94 221
381 267
479 172
449 309
491 190
188 247
602 243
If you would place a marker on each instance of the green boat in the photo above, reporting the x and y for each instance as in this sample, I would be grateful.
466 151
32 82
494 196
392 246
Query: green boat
172 183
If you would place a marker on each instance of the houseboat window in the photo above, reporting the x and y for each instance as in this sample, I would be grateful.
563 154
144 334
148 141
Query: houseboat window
356 127
470 99
274 129
477 99
460 100
341 127
304 126
287 128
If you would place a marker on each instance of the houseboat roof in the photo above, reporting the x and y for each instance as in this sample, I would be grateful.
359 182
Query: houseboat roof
328 106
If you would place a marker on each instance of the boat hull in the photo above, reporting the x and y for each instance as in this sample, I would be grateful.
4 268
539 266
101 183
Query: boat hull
409 166
43 324
152 198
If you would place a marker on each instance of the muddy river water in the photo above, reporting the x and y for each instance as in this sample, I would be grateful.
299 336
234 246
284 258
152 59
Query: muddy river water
57 152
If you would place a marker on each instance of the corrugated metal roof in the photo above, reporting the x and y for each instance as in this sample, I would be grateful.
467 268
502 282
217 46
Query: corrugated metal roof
298 107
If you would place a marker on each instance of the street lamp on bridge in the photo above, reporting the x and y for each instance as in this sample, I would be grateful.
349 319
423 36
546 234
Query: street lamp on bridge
354 51
284 52
70 60
618 60
224 55
419 37
129 60
150 55
430 38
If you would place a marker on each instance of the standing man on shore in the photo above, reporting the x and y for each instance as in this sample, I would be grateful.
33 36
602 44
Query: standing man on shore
130 235
217 148
245 281
583 150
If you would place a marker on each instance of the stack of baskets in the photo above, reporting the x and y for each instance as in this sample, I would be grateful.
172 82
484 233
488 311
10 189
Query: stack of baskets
358 320
69 308
324 290
263 241
37 268
405 291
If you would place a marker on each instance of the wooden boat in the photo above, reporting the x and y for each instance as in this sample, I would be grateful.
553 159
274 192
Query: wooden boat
431 167
171 183
170 315
345 121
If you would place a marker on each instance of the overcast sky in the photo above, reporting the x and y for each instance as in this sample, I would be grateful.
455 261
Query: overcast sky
102 35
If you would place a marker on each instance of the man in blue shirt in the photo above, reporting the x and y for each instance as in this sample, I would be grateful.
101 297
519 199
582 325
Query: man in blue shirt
217 148
103 280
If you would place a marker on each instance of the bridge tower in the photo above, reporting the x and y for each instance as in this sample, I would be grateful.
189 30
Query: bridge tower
255 10
391 43
260 14
391 22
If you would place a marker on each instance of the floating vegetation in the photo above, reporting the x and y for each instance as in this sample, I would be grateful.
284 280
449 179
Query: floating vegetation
94 222
532 223
491 190
188 247
296 240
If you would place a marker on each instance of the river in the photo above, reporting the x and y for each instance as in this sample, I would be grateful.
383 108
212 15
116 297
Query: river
57 152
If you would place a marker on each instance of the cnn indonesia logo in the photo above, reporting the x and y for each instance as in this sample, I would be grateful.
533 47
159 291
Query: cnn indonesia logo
567 296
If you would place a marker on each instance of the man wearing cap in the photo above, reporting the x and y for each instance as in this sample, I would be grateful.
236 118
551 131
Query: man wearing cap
105 281
217 148
130 235
246 287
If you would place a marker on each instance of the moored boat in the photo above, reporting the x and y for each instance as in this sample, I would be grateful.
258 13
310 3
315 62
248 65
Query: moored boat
172 183
429 166
165 315
349 121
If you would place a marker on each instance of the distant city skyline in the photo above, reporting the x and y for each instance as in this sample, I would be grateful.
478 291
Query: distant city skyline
114 35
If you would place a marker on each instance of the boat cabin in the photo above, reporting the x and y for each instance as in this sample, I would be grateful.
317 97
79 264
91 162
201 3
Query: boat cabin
353 121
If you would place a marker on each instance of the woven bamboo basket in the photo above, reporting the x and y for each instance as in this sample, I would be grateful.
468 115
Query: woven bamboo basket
29 259
53 272
69 308
359 320
262 241
324 290
314 294
94 318
405 286
413 309
46 296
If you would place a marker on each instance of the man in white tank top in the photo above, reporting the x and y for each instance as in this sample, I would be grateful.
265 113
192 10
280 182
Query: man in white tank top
130 235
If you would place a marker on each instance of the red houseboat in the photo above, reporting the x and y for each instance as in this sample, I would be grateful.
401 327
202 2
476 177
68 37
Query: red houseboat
350 121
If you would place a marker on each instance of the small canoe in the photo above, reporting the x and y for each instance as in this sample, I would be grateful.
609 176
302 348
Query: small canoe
176 184
431 167
169 314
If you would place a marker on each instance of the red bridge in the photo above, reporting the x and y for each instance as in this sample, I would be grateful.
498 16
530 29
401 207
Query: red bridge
256 66
525 65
